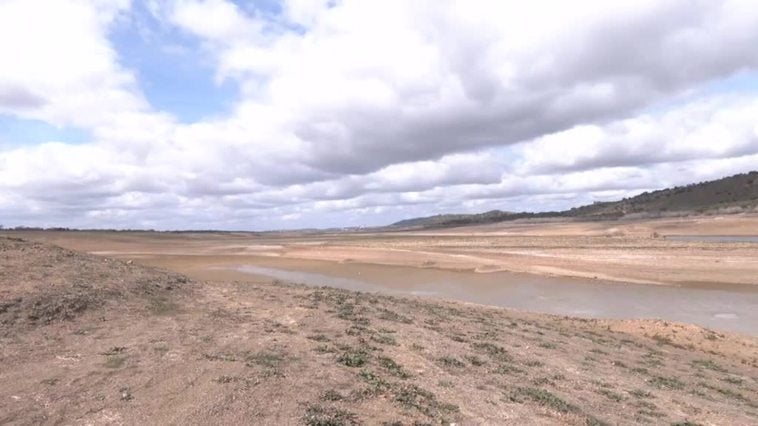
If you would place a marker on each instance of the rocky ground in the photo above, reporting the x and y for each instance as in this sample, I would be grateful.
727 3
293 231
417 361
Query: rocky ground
92 340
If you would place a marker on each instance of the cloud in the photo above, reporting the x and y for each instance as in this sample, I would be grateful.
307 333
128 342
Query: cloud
368 112
716 127
19 98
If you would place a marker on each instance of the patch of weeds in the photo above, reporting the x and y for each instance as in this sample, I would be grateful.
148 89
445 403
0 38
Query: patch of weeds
331 395
665 340
114 351
161 349
726 392
265 359
686 423
548 345
377 385
646 404
347 312
50 382
547 399
318 415
651 359
445 384
324 349
707 363
613 396
451 362
115 361
161 306
733 380
666 382
393 368
389 315
592 421
226 379
598 351
414 397
475 360
417 347
540 381
640 370
651 413
493 351
641 394
353 358
269 361
507 369
534 363
318 338
220 357
357 330
384 339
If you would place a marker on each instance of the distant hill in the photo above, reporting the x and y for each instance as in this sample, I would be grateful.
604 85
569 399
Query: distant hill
452 219
738 193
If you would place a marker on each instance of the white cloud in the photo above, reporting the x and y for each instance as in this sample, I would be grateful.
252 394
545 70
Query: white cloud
378 108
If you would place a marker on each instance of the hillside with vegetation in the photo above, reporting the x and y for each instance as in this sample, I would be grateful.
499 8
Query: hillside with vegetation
734 194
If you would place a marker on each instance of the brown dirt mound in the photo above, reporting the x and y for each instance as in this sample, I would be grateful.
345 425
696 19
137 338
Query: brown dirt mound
44 284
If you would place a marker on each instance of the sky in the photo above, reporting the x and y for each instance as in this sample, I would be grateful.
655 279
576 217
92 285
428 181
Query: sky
256 115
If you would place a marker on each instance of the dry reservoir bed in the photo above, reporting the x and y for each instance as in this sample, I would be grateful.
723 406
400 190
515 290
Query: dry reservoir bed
92 340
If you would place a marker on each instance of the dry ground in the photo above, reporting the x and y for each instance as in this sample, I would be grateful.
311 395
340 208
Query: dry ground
627 251
91 340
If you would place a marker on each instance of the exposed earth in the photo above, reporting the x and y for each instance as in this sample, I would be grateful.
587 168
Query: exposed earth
91 339
634 251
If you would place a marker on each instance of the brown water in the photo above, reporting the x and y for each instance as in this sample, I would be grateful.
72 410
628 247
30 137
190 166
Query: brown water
731 309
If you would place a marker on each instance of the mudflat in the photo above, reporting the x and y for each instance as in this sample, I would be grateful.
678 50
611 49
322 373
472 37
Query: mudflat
90 339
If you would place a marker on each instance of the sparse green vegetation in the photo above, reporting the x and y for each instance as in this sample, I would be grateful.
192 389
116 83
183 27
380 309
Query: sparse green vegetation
707 363
392 367
545 398
666 382
115 361
451 362
318 415
353 358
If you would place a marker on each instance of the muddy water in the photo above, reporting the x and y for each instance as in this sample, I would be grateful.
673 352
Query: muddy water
715 238
729 310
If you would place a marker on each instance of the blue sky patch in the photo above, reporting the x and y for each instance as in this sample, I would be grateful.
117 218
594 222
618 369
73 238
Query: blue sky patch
172 70
18 131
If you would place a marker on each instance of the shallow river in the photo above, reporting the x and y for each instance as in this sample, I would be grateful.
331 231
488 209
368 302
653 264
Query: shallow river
732 309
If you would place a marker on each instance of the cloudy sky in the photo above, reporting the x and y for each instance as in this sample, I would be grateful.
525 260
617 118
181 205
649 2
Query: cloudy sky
309 113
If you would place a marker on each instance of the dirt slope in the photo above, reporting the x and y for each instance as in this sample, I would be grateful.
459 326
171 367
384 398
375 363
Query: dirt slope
89 340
